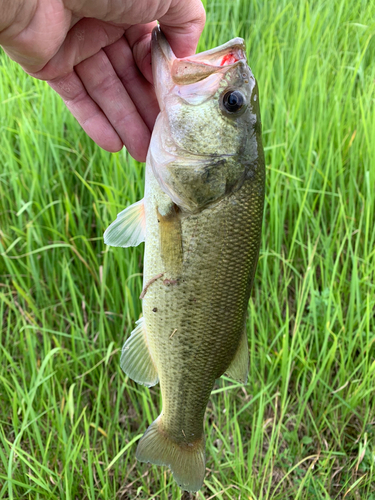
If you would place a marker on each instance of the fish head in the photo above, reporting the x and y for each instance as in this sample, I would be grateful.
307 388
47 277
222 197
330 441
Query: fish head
207 139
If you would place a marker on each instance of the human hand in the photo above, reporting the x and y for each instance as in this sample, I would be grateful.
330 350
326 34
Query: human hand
96 55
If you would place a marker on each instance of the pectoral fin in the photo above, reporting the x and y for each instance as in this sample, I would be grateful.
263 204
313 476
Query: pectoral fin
136 359
239 367
128 230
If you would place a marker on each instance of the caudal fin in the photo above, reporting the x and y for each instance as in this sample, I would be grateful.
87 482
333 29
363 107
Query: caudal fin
186 461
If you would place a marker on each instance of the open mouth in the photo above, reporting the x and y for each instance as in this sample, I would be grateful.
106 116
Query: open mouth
192 69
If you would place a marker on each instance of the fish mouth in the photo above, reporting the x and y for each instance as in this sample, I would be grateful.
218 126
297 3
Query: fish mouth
169 70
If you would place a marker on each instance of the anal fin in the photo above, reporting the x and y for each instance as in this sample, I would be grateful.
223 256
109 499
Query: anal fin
136 360
239 367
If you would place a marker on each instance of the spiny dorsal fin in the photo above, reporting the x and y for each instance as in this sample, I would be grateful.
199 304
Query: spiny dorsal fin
128 230
239 367
136 360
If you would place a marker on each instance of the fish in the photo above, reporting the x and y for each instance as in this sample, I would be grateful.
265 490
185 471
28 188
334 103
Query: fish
200 219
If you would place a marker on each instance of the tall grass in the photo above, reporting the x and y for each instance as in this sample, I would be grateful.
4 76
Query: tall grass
304 425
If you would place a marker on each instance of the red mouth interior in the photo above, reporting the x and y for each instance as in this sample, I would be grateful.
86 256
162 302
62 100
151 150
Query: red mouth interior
229 59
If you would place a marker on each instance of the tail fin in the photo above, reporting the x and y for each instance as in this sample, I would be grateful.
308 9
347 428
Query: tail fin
186 461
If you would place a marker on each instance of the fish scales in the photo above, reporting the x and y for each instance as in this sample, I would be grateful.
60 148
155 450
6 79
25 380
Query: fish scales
210 297
201 220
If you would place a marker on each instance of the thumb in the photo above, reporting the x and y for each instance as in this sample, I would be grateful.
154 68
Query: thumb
182 25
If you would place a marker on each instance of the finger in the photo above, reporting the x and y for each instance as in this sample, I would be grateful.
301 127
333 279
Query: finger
139 89
139 40
106 89
83 40
182 25
87 112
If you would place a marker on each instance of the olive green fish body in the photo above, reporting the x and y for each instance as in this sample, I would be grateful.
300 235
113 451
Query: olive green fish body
195 318
201 220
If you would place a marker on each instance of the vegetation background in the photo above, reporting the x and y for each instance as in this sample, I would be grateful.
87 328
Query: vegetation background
304 425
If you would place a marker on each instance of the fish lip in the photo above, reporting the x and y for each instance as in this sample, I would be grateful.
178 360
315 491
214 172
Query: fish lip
162 57
235 45
218 60
160 46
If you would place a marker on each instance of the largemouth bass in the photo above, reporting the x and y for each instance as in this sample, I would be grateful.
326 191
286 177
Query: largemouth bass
201 220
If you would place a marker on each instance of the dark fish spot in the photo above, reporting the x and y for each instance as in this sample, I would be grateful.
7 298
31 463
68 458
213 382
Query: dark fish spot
155 309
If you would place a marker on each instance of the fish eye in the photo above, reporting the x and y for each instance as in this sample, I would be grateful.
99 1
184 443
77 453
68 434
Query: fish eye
233 101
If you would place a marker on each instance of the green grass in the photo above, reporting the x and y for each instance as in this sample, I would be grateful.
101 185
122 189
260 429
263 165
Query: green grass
304 425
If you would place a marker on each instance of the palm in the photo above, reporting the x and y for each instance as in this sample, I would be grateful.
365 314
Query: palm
34 41
98 60
92 64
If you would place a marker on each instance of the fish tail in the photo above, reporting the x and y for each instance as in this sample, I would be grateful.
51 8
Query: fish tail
186 460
